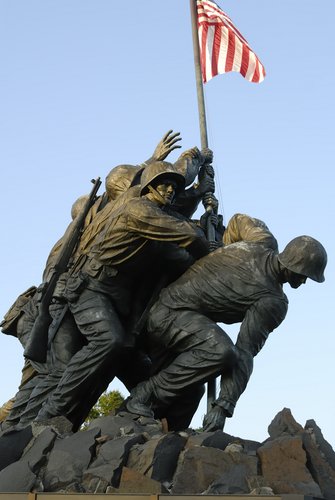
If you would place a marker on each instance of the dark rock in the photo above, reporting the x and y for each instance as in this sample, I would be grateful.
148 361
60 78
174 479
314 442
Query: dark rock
198 438
283 465
218 440
12 445
97 479
157 458
221 440
233 482
61 425
69 458
257 483
201 467
113 455
74 488
125 424
324 447
166 457
141 457
112 425
35 456
111 489
133 481
17 477
134 455
262 490
284 424
318 466
117 449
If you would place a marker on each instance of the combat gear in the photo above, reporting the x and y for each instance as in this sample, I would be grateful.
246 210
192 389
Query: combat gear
9 323
78 205
306 256
36 347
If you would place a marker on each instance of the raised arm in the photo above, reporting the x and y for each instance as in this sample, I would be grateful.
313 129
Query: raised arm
166 145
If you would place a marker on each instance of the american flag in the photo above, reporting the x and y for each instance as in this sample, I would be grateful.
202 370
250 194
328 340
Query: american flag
222 47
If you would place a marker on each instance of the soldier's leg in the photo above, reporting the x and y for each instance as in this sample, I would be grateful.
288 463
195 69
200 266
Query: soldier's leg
180 412
99 323
66 342
134 367
233 383
200 350
21 401
32 372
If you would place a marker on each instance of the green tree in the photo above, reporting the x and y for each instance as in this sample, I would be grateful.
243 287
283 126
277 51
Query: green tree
106 405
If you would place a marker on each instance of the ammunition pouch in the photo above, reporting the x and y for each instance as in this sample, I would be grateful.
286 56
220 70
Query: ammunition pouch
95 269
74 286
58 294
9 323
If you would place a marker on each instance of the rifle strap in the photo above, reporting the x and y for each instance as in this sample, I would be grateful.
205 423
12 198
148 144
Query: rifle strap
56 322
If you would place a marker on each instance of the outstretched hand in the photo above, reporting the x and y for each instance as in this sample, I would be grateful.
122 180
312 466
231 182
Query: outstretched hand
166 145
214 420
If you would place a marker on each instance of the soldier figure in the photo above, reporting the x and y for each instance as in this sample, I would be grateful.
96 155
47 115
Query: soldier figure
240 282
102 282
39 379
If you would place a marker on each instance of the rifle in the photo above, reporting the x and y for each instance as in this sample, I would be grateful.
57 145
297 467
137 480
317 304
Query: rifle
36 348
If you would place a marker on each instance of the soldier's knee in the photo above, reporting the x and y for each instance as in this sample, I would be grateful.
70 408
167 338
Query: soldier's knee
111 343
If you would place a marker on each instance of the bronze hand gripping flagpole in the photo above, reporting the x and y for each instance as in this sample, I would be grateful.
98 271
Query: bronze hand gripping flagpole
211 385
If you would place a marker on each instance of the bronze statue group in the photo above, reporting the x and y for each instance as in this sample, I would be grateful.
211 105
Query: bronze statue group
144 296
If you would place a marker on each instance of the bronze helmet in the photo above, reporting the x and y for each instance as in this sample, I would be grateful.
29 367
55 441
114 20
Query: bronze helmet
161 170
306 256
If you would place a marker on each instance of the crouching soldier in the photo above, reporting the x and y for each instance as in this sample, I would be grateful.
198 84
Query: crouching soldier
241 282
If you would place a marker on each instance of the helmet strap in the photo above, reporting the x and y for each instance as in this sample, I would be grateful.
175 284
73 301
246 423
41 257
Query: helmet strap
156 195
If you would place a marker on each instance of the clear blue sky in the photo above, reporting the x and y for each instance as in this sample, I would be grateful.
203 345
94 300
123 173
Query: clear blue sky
86 85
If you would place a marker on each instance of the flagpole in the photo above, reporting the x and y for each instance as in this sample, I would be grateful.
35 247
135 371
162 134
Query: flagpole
198 76
211 384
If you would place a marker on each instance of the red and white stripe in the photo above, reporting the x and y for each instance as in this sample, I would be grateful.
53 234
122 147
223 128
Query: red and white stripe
222 47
